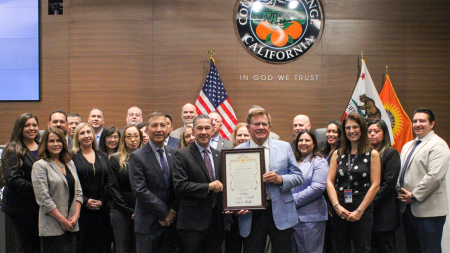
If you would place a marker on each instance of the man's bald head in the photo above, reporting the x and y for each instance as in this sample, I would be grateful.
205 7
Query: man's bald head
188 113
301 122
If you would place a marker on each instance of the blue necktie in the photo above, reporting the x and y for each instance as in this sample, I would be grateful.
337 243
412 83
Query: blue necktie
164 166
405 166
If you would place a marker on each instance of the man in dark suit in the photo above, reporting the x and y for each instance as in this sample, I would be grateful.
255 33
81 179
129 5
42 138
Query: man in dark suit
150 169
170 141
217 141
58 119
196 179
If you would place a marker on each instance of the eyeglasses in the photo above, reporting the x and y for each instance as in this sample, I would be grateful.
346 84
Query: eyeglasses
111 137
257 124
136 137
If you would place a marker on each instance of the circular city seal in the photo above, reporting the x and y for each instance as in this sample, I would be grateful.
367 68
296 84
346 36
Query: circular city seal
278 31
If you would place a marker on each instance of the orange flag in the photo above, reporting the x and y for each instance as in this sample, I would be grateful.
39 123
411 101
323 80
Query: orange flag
400 122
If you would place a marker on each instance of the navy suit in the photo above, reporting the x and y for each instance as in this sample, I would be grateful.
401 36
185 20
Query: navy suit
173 142
154 199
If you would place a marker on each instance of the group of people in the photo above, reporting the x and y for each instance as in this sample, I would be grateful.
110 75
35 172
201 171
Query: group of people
78 187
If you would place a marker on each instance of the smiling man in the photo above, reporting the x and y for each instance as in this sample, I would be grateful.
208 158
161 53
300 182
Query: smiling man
134 116
217 141
422 189
197 182
97 121
151 168
188 113
282 174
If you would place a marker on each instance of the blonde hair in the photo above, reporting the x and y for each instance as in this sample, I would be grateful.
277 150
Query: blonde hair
182 143
238 126
76 142
122 152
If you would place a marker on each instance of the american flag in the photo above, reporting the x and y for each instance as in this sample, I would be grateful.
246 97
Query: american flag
213 97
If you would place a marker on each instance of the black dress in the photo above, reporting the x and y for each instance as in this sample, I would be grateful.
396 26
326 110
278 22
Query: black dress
385 205
355 177
95 233
19 202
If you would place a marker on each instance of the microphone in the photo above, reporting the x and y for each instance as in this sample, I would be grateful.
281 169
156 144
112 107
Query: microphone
290 137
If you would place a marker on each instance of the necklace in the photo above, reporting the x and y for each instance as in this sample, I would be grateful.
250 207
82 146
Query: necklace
60 165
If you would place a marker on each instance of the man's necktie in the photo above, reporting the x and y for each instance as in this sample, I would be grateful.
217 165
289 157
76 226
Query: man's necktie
405 166
164 166
208 165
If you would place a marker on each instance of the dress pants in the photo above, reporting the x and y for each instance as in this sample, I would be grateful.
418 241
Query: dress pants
263 225
383 242
66 243
233 240
95 235
161 241
309 236
423 234
123 228
208 241
27 230
358 232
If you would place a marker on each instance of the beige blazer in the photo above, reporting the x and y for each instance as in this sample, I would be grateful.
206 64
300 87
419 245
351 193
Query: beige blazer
51 191
425 175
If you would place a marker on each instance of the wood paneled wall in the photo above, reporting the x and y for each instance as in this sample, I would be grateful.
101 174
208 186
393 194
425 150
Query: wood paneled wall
114 54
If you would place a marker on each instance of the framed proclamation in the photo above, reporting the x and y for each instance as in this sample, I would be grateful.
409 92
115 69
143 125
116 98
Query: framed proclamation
243 187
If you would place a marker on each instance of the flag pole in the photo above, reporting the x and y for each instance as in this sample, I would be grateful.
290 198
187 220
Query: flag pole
385 77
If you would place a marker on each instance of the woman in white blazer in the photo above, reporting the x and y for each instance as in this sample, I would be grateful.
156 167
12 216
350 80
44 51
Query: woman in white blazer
58 194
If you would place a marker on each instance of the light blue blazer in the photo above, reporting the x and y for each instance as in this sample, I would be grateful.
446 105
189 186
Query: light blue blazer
282 161
308 197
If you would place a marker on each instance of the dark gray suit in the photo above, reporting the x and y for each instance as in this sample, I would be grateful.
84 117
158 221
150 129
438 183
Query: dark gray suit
223 144
154 199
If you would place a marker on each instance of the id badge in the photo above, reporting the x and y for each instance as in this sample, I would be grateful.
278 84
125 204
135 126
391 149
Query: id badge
348 196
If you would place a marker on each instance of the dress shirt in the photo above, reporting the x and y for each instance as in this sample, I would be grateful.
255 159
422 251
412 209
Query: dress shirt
200 148
97 137
166 141
155 151
266 160
214 141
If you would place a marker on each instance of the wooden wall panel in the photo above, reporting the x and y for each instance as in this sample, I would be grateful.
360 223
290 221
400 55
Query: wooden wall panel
113 54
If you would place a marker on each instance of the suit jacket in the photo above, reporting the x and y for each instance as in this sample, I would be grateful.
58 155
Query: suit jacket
69 144
274 136
308 197
18 195
385 205
283 162
191 181
154 198
52 191
83 175
122 196
177 132
425 175
173 142
223 144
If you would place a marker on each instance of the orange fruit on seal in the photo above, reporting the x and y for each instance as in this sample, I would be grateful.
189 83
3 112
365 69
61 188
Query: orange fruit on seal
295 30
279 37
263 29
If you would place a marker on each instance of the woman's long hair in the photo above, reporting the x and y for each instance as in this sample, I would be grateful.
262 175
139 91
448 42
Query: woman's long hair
43 153
315 152
76 141
182 143
386 143
363 143
327 148
107 131
15 144
122 152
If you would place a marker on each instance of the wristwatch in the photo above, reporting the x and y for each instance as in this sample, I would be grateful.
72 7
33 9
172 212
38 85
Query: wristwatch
413 198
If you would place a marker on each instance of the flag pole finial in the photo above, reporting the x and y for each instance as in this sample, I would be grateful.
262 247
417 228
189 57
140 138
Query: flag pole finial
387 73
362 55
211 53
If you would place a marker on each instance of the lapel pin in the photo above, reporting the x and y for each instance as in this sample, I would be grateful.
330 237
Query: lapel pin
274 146
170 155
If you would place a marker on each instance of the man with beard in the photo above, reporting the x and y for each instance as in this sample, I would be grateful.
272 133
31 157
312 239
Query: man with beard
58 119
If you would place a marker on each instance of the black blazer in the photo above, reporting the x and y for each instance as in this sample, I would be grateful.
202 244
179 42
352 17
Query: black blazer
191 181
122 197
18 195
82 171
385 204
154 198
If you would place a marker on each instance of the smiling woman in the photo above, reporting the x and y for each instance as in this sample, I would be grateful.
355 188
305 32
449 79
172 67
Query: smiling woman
18 201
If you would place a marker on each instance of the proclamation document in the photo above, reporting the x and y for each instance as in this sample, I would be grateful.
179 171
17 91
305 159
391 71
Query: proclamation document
243 185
